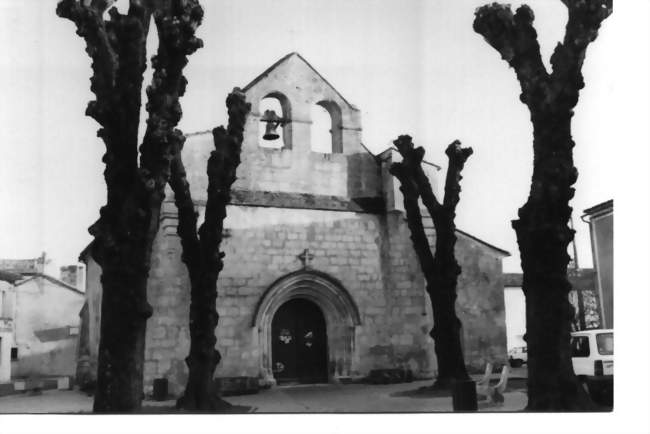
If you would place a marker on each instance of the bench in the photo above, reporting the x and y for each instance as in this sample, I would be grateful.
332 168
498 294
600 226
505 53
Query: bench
494 394
486 377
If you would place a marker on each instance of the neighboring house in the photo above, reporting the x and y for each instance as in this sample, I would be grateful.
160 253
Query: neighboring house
44 316
7 280
90 317
601 227
319 263
583 297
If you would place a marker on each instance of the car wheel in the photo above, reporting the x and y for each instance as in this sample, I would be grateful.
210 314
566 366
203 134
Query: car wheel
515 363
600 394
585 385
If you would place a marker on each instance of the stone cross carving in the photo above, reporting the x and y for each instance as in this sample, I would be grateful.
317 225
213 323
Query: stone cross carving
306 257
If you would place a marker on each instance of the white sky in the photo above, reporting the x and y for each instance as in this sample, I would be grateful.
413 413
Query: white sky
413 67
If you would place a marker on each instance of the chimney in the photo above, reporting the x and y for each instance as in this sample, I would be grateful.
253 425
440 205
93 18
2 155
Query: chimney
73 275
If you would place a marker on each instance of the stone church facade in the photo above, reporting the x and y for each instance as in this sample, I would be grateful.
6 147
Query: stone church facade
320 280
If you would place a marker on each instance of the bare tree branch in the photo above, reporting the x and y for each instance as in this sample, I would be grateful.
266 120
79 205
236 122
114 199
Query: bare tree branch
91 26
441 269
187 215
412 162
203 256
409 188
222 169
515 38
176 26
457 158
585 19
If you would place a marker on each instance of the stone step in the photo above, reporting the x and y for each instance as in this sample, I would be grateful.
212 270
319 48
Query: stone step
35 385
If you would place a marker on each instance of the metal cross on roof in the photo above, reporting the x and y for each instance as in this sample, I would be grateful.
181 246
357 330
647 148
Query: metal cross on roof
306 257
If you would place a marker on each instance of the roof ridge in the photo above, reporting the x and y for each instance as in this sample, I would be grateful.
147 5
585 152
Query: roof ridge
475 238
282 60
32 276
602 207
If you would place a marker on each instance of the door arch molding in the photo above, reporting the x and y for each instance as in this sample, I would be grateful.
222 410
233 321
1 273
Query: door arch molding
338 307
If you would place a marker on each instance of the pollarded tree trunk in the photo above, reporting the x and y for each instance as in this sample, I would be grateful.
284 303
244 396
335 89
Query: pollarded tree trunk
201 252
129 221
440 270
543 235
543 231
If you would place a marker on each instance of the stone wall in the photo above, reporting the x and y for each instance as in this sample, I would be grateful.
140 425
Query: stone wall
480 304
352 173
262 245
287 170
401 338
372 257
299 87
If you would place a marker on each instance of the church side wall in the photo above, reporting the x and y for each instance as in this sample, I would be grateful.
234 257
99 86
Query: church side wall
480 304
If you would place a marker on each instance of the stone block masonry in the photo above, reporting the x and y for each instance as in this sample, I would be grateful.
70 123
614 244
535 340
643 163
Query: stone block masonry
264 244
372 258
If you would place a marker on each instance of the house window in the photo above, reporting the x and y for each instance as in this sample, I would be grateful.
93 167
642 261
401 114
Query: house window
14 354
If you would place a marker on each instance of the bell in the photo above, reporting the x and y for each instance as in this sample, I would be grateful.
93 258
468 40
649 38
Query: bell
271 133
272 122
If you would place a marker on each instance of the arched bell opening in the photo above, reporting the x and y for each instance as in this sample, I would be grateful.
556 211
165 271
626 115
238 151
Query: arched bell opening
275 122
326 128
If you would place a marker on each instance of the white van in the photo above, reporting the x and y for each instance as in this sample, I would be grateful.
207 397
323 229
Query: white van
592 354
517 356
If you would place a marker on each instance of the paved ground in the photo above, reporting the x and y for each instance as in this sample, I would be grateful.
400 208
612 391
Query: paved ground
299 399
50 401
357 398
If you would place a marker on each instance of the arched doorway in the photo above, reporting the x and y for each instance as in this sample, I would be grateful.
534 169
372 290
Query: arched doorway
335 305
299 343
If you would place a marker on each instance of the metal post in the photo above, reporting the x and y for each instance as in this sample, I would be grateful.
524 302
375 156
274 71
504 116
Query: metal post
464 396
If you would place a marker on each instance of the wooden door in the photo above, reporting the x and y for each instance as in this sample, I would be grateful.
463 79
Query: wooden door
299 345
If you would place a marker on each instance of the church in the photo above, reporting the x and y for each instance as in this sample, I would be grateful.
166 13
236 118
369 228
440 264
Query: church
320 280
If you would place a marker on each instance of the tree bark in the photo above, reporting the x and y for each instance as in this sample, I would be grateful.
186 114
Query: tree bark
129 221
543 231
201 253
440 270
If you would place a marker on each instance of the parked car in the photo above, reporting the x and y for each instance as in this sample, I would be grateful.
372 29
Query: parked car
592 354
517 356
